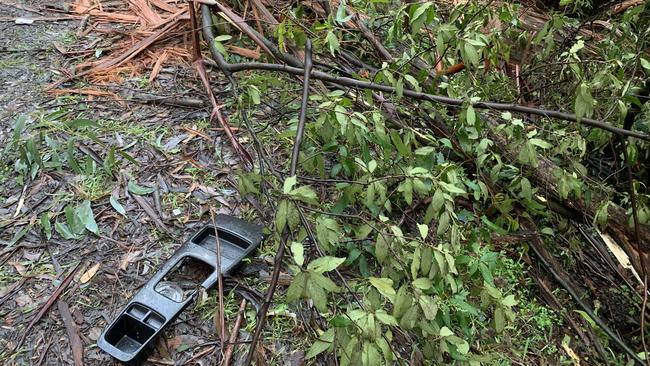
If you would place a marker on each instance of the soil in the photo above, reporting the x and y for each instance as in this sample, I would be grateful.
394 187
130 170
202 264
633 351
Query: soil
190 172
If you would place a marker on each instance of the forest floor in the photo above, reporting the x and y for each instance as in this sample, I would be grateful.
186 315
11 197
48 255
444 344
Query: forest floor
101 180
177 156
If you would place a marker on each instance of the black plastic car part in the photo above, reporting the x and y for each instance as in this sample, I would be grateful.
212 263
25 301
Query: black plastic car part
131 335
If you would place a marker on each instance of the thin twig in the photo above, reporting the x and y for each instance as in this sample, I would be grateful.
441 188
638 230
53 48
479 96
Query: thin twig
222 325
47 305
537 246
233 335
261 316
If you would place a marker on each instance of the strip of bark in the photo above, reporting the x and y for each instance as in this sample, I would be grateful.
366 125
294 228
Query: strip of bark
73 333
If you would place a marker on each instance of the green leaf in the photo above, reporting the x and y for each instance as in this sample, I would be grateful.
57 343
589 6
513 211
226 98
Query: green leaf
325 264
372 165
19 126
281 216
499 320
399 144
422 283
117 206
19 235
402 302
412 81
446 332
461 345
644 63
384 286
471 54
76 124
540 143
470 116
602 214
425 150
328 233
492 226
317 295
584 103
324 282
322 344
422 8
509 301
45 224
139 190
443 223
64 231
341 14
340 321
223 37
526 189
297 287
452 188
399 88
298 252
429 307
254 93
333 42
381 248
289 182
385 318
305 194
85 214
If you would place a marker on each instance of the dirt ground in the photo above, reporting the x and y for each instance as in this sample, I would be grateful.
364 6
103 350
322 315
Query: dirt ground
176 154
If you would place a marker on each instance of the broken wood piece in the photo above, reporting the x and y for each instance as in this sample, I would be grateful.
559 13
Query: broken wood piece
137 48
244 52
158 65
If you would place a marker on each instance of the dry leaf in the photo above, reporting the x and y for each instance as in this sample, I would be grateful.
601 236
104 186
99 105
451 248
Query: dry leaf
89 273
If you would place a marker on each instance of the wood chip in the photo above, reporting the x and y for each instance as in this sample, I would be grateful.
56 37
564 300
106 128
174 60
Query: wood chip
90 273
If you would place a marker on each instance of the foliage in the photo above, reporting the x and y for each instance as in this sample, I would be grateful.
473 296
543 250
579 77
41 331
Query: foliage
402 212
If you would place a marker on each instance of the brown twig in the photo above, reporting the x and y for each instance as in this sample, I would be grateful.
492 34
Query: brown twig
222 326
146 207
216 113
234 333
345 81
277 263
47 305
561 277
73 333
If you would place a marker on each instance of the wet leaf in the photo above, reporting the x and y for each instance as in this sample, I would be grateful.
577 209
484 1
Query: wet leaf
117 206
139 190
446 332
85 214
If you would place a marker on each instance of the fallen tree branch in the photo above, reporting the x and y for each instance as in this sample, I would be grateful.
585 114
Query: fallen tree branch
216 113
543 174
345 81
561 277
